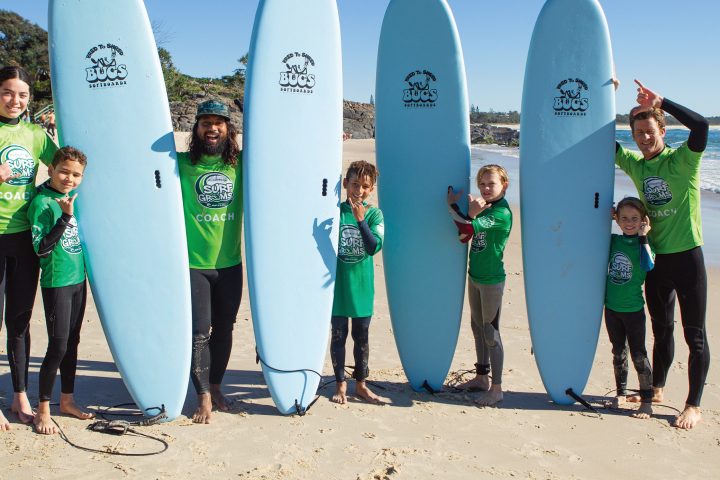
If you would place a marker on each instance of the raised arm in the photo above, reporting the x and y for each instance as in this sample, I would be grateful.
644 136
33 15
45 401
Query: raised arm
696 123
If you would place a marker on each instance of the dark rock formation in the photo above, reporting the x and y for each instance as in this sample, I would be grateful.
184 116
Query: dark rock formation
483 133
359 121
183 113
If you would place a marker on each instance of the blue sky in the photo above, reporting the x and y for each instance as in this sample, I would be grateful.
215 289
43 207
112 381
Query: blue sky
670 45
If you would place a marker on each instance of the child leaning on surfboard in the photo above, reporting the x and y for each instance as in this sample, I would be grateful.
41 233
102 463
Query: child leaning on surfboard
488 225
631 257
56 241
361 237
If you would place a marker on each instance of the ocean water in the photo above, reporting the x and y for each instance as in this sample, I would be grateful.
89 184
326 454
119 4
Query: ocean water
509 158
674 137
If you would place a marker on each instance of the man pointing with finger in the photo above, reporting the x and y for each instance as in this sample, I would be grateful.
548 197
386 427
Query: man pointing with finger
668 181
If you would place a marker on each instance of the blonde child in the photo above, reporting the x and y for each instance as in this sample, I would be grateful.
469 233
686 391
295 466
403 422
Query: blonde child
488 225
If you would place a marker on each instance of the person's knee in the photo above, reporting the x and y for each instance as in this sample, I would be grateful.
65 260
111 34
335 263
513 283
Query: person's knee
641 362
695 338
360 334
491 335
223 328
57 347
619 357
200 340
339 331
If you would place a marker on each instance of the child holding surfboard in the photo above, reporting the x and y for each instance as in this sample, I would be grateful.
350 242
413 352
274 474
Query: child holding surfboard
488 225
56 241
631 257
22 147
361 237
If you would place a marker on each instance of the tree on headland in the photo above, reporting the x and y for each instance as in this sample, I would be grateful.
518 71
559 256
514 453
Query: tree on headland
25 44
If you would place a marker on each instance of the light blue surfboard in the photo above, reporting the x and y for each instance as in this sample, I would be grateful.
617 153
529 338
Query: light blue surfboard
111 103
291 182
567 146
423 146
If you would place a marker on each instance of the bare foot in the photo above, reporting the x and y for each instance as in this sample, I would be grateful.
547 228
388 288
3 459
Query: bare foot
204 409
362 391
217 398
43 421
658 396
481 383
4 424
21 407
644 411
340 395
617 401
491 397
688 418
69 407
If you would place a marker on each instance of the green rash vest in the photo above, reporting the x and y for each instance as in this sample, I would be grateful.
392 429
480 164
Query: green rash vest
64 265
669 185
22 146
623 290
212 202
355 281
492 230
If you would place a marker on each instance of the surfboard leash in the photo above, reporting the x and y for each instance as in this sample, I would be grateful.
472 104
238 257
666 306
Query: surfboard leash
119 428
607 404
299 409
570 393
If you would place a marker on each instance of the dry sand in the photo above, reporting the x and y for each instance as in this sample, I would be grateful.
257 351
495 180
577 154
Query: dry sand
418 436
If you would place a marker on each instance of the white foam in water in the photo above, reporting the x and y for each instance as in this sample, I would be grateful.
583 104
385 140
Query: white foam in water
674 137
509 158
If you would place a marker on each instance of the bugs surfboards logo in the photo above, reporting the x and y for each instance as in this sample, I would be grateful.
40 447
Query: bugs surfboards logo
420 92
573 100
105 66
298 76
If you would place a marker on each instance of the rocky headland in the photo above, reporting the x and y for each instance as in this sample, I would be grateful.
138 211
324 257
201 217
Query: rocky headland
358 120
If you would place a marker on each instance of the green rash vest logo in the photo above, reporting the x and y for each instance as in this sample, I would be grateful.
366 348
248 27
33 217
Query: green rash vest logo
657 191
478 242
620 269
20 162
70 241
351 248
214 190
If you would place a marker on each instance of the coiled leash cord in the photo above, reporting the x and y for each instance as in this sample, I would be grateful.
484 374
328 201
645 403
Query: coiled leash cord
121 427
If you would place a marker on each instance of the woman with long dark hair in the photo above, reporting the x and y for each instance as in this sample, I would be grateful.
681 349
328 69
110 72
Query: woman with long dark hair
22 146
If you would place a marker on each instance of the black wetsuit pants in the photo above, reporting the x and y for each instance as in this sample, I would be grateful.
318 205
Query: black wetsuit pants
683 275
629 327
216 296
361 349
64 311
19 268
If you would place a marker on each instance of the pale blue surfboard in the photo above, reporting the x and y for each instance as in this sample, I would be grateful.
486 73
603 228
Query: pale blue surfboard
111 103
423 146
567 146
291 171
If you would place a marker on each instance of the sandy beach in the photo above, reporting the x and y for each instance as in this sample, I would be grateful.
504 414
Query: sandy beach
416 436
